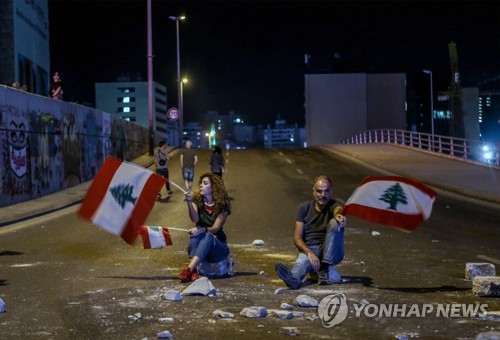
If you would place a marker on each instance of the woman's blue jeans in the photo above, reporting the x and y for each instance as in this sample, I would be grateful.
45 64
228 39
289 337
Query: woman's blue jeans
330 252
208 248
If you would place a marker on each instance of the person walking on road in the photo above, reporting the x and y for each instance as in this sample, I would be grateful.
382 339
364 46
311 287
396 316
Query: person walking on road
217 161
162 157
319 237
188 163
208 207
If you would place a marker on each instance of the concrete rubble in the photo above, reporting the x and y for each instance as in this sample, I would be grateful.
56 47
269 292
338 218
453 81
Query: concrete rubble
474 269
221 314
202 286
254 312
306 301
486 286
172 295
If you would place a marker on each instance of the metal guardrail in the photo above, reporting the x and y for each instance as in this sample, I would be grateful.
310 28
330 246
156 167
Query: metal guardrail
468 149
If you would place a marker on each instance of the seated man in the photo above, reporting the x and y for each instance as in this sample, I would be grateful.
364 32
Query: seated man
319 237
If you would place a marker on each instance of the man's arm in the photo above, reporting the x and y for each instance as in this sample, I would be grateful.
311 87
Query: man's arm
298 240
195 160
182 160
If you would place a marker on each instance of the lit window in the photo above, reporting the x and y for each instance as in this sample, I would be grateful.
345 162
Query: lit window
126 109
126 100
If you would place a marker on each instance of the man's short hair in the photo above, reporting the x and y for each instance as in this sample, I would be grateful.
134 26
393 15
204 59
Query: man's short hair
161 143
323 178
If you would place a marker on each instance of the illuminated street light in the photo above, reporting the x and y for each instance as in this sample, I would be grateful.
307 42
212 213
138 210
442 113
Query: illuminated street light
179 95
432 107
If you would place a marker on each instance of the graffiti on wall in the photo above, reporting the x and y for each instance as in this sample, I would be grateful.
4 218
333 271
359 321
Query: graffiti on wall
48 145
46 155
16 177
72 151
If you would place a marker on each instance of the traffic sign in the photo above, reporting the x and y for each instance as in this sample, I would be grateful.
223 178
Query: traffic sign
173 113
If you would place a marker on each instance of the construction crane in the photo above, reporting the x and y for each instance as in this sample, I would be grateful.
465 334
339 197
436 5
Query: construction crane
455 95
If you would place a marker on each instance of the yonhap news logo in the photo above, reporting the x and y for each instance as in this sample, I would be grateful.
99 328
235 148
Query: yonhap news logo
333 310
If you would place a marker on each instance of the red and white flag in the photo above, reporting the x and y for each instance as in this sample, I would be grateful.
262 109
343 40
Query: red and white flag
120 198
396 201
155 237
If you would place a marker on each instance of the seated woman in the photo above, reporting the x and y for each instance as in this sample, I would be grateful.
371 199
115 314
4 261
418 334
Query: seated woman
208 208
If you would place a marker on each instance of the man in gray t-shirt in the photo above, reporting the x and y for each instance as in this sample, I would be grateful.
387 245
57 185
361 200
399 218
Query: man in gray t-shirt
319 237
188 162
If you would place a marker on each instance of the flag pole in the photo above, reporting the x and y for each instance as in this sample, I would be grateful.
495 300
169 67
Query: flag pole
178 229
170 228
178 187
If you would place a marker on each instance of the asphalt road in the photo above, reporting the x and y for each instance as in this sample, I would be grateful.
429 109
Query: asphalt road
64 278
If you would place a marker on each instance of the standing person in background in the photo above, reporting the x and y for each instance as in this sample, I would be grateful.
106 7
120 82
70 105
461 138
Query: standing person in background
217 161
56 91
188 163
161 161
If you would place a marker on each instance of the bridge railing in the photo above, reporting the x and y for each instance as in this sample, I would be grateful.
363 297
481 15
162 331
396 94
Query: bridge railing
469 149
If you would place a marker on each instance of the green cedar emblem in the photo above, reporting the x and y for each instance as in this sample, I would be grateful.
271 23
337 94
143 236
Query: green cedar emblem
393 196
122 194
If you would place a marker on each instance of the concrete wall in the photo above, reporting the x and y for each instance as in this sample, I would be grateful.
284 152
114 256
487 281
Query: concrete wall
50 145
335 107
386 101
341 105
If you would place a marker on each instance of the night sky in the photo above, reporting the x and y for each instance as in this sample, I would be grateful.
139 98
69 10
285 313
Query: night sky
248 56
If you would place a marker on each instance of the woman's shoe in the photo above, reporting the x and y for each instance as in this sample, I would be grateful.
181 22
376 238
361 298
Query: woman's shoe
195 275
185 276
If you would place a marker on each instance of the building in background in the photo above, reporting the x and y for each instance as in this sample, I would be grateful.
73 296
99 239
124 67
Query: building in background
195 132
339 106
489 116
129 100
24 45
283 135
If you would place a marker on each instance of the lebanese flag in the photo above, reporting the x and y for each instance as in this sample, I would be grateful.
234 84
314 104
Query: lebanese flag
155 237
395 201
120 197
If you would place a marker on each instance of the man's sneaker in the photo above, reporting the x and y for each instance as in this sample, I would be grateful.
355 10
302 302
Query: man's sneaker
333 275
170 193
158 196
286 275
327 277
323 277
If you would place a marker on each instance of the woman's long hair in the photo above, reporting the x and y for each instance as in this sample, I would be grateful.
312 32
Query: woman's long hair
219 193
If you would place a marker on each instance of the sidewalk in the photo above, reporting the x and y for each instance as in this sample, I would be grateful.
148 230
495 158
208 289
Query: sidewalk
460 177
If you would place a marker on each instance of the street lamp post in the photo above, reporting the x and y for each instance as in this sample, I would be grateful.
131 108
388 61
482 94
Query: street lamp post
184 81
432 107
179 90
150 80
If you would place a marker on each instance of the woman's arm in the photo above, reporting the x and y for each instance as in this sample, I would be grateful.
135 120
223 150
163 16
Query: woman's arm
56 91
218 223
192 208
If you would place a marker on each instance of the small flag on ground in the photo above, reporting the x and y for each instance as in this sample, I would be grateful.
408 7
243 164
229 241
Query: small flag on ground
155 237
120 198
396 201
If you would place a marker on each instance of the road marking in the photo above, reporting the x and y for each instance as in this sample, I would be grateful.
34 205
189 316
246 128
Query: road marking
300 172
288 160
487 258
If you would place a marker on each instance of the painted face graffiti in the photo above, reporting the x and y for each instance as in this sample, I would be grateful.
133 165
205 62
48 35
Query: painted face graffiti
18 149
